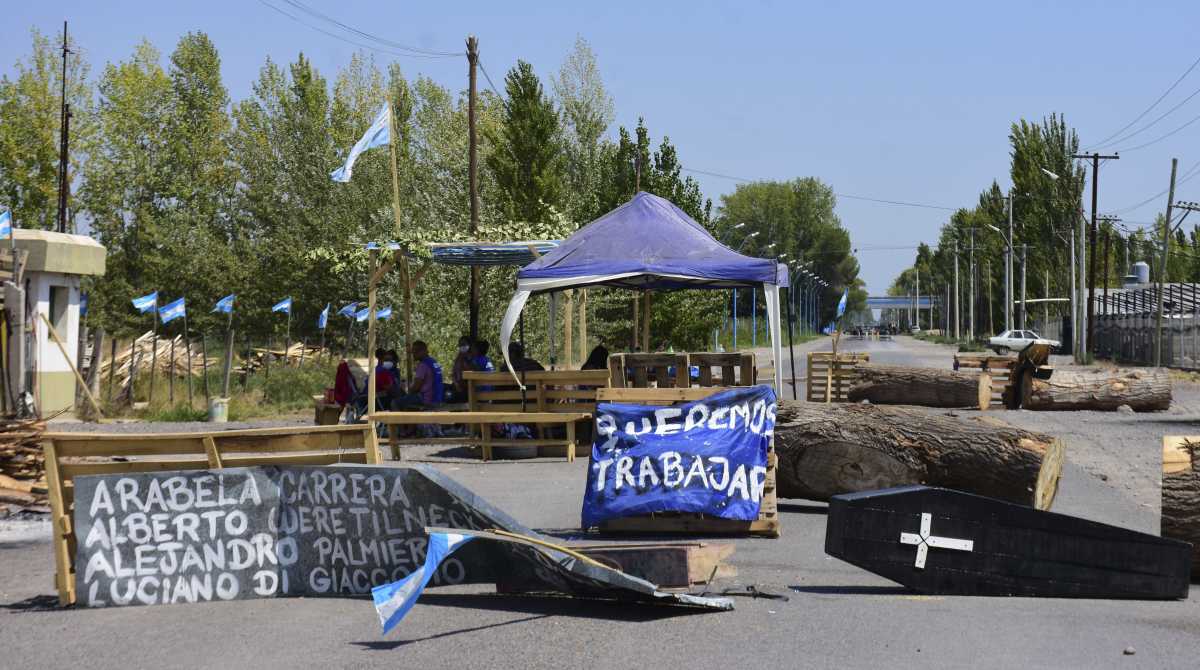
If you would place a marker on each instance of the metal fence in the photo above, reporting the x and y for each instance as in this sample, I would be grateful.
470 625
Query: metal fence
1129 339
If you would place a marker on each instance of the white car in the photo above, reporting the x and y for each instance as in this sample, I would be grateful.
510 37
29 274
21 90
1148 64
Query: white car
1016 340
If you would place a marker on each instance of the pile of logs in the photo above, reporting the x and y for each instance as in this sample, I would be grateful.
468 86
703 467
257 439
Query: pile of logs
22 466
1143 390
140 357
293 354
825 450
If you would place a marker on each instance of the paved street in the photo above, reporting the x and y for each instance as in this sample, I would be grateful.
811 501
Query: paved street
837 615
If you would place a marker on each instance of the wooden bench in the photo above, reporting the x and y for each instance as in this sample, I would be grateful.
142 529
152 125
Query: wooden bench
485 420
638 370
69 455
767 523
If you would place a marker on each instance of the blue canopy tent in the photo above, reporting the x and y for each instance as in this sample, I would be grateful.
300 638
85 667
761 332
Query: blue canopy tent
646 244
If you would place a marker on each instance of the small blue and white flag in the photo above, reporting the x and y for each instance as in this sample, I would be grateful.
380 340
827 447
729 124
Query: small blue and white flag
323 318
84 299
6 227
842 303
225 305
384 313
372 245
394 600
349 310
376 136
146 303
361 315
284 306
169 313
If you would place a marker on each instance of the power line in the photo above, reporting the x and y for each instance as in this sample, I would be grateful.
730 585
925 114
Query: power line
1151 107
386 42
1188 174
489 80
343 38
840 195
1155 121
1161 138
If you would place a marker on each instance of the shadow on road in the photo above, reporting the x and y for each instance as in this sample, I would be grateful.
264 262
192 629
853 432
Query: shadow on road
841 590
386 645
42 603
801 508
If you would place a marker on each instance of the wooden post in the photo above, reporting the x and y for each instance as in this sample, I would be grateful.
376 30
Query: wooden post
303 348
78 377
583 336
633 333
112 367
646 325
568 343
228 363
187 345
204 366
405 276
171 375
404 271
245 366
374 263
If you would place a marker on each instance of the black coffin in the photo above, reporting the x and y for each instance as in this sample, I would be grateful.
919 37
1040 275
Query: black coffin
977 546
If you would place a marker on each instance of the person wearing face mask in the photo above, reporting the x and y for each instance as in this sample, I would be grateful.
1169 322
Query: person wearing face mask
462 363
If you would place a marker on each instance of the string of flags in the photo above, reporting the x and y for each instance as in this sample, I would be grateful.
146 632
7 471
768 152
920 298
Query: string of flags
6 226
149 304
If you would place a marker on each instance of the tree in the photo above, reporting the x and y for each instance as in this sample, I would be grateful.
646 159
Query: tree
30 123
526 159
586 110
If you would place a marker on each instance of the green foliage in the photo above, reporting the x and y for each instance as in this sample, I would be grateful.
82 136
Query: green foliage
527 160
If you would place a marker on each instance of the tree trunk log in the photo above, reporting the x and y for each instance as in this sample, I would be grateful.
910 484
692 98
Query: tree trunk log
927 387
825 450
1181 493
1103 390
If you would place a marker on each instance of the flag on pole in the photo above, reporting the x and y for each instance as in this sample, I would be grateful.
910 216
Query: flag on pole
225 305
146 303
377 135
6 227
362 314
394 600
169 313
349 310
284 306
323 319
384 313
842 303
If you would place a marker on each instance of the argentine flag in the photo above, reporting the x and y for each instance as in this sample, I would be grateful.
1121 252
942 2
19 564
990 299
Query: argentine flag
323 318
377 135
146 303
6 227
361 315
384 313
842 303
284 306
394 600
349 310
225 305
169 313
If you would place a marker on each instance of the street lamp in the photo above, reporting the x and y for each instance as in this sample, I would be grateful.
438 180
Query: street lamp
1049 174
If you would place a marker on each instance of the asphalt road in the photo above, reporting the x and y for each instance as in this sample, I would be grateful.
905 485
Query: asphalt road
837 615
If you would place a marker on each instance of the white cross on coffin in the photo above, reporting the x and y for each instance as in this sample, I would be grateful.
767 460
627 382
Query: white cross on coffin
925 540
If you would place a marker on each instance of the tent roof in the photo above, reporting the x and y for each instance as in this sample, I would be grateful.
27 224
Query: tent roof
647 243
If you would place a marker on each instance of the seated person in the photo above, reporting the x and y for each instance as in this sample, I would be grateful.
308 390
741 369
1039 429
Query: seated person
428 389
388 387
597 359
516 354
462 363
479 356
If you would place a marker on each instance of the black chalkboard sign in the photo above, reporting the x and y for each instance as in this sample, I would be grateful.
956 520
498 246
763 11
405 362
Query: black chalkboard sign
190 536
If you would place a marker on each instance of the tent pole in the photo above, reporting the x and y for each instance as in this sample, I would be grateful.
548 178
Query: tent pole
583 350
633 332
646 325
568 330
521 327
791 345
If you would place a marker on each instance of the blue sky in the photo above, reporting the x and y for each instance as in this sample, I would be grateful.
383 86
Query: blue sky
897 101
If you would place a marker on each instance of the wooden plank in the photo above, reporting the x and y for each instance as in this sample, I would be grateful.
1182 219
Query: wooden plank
636 395
210 449
477 417
64 579
325 458
72 470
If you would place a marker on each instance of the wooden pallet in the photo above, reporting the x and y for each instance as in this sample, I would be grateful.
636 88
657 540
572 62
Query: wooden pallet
844 375
688 523
999 367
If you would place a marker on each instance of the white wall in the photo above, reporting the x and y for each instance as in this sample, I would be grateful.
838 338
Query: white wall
47 356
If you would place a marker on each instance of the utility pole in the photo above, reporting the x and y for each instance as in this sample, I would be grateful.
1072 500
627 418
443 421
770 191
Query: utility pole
1008 268
971 301
64 183
1080 316
1046 305
918 303
956 296
1162 266
1091 288
473 175
1024 309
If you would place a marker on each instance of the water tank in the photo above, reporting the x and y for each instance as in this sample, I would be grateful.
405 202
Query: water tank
1141 270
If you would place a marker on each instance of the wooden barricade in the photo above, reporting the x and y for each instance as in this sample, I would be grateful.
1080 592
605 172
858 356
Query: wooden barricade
736 369
69 455
844 375
999 367
638 370
767 523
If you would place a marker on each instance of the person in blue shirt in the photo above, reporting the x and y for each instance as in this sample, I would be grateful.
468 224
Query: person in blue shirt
479 357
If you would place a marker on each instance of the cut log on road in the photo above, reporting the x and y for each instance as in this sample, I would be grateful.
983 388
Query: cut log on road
1181 493
927 387
1143 390
825 450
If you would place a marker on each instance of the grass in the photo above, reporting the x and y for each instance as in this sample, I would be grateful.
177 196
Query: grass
278 392
725 338
964 346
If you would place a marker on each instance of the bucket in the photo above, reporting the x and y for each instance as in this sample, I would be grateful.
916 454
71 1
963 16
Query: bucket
218 410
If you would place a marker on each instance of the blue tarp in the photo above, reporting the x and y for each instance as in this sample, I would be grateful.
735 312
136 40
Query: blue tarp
655 245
